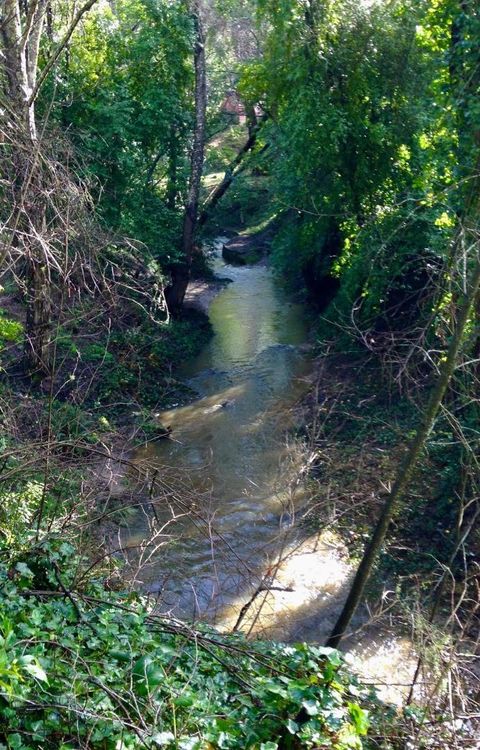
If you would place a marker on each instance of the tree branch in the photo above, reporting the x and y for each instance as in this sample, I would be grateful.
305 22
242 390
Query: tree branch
52 61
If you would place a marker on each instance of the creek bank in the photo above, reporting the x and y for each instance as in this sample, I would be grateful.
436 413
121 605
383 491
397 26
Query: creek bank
354 430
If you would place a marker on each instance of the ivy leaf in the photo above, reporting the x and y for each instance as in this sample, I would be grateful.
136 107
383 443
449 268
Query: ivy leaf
24 570
163 738
359 718
147 675
311 707
31 665
14 741
292 726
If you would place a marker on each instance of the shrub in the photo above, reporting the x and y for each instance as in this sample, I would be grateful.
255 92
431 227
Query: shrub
93 669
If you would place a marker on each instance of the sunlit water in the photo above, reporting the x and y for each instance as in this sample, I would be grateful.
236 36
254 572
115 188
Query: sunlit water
229 523
229 447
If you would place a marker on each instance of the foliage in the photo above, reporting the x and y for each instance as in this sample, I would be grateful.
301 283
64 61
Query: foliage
11 331
90 668
139 359
123 95
363 155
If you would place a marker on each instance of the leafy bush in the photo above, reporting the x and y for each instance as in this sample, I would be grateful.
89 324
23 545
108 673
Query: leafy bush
93 669
17 508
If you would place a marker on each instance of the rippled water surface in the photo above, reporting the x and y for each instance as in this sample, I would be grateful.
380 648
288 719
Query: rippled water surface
229 445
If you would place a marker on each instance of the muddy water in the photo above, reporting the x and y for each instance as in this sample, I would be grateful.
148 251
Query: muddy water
229 489
228 449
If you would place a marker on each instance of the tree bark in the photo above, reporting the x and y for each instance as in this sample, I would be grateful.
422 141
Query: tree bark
21 44
233 170
38 319
172 185
175 293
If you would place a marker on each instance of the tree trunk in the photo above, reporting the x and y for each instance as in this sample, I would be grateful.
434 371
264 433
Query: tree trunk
409 464
175 293
38 320
232 171
21 33
21 44
172 185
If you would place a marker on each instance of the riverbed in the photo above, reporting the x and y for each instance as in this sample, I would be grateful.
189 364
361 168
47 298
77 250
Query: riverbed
221 539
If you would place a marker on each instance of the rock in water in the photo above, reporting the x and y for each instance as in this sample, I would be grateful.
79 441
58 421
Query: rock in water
242 251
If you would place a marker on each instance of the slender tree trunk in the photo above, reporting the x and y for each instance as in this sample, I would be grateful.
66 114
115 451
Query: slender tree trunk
232 171
175 293
21 37
22 26
172 187
38 319
409 464
468 231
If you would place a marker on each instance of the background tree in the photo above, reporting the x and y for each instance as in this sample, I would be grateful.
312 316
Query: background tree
175 293
33 178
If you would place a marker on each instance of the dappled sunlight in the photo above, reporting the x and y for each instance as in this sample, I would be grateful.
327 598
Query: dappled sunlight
386 660
311 573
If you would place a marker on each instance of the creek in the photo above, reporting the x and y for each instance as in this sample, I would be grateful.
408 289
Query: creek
228 447
225 539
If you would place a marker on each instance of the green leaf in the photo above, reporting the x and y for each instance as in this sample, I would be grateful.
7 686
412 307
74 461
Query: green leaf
147 675
311 707
359 718
292 726
31 665
24 570
163 738
15 741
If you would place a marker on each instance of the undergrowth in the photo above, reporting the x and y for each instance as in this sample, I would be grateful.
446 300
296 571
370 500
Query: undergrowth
83 667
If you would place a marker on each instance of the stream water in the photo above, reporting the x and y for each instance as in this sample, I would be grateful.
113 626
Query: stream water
228 489
229 448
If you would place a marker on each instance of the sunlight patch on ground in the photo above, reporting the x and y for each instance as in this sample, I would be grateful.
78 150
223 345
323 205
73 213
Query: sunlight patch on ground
388 662
301 602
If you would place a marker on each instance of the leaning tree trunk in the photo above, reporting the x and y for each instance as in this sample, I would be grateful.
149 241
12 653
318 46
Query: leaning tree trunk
175 293
409 464
231 173
468 230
